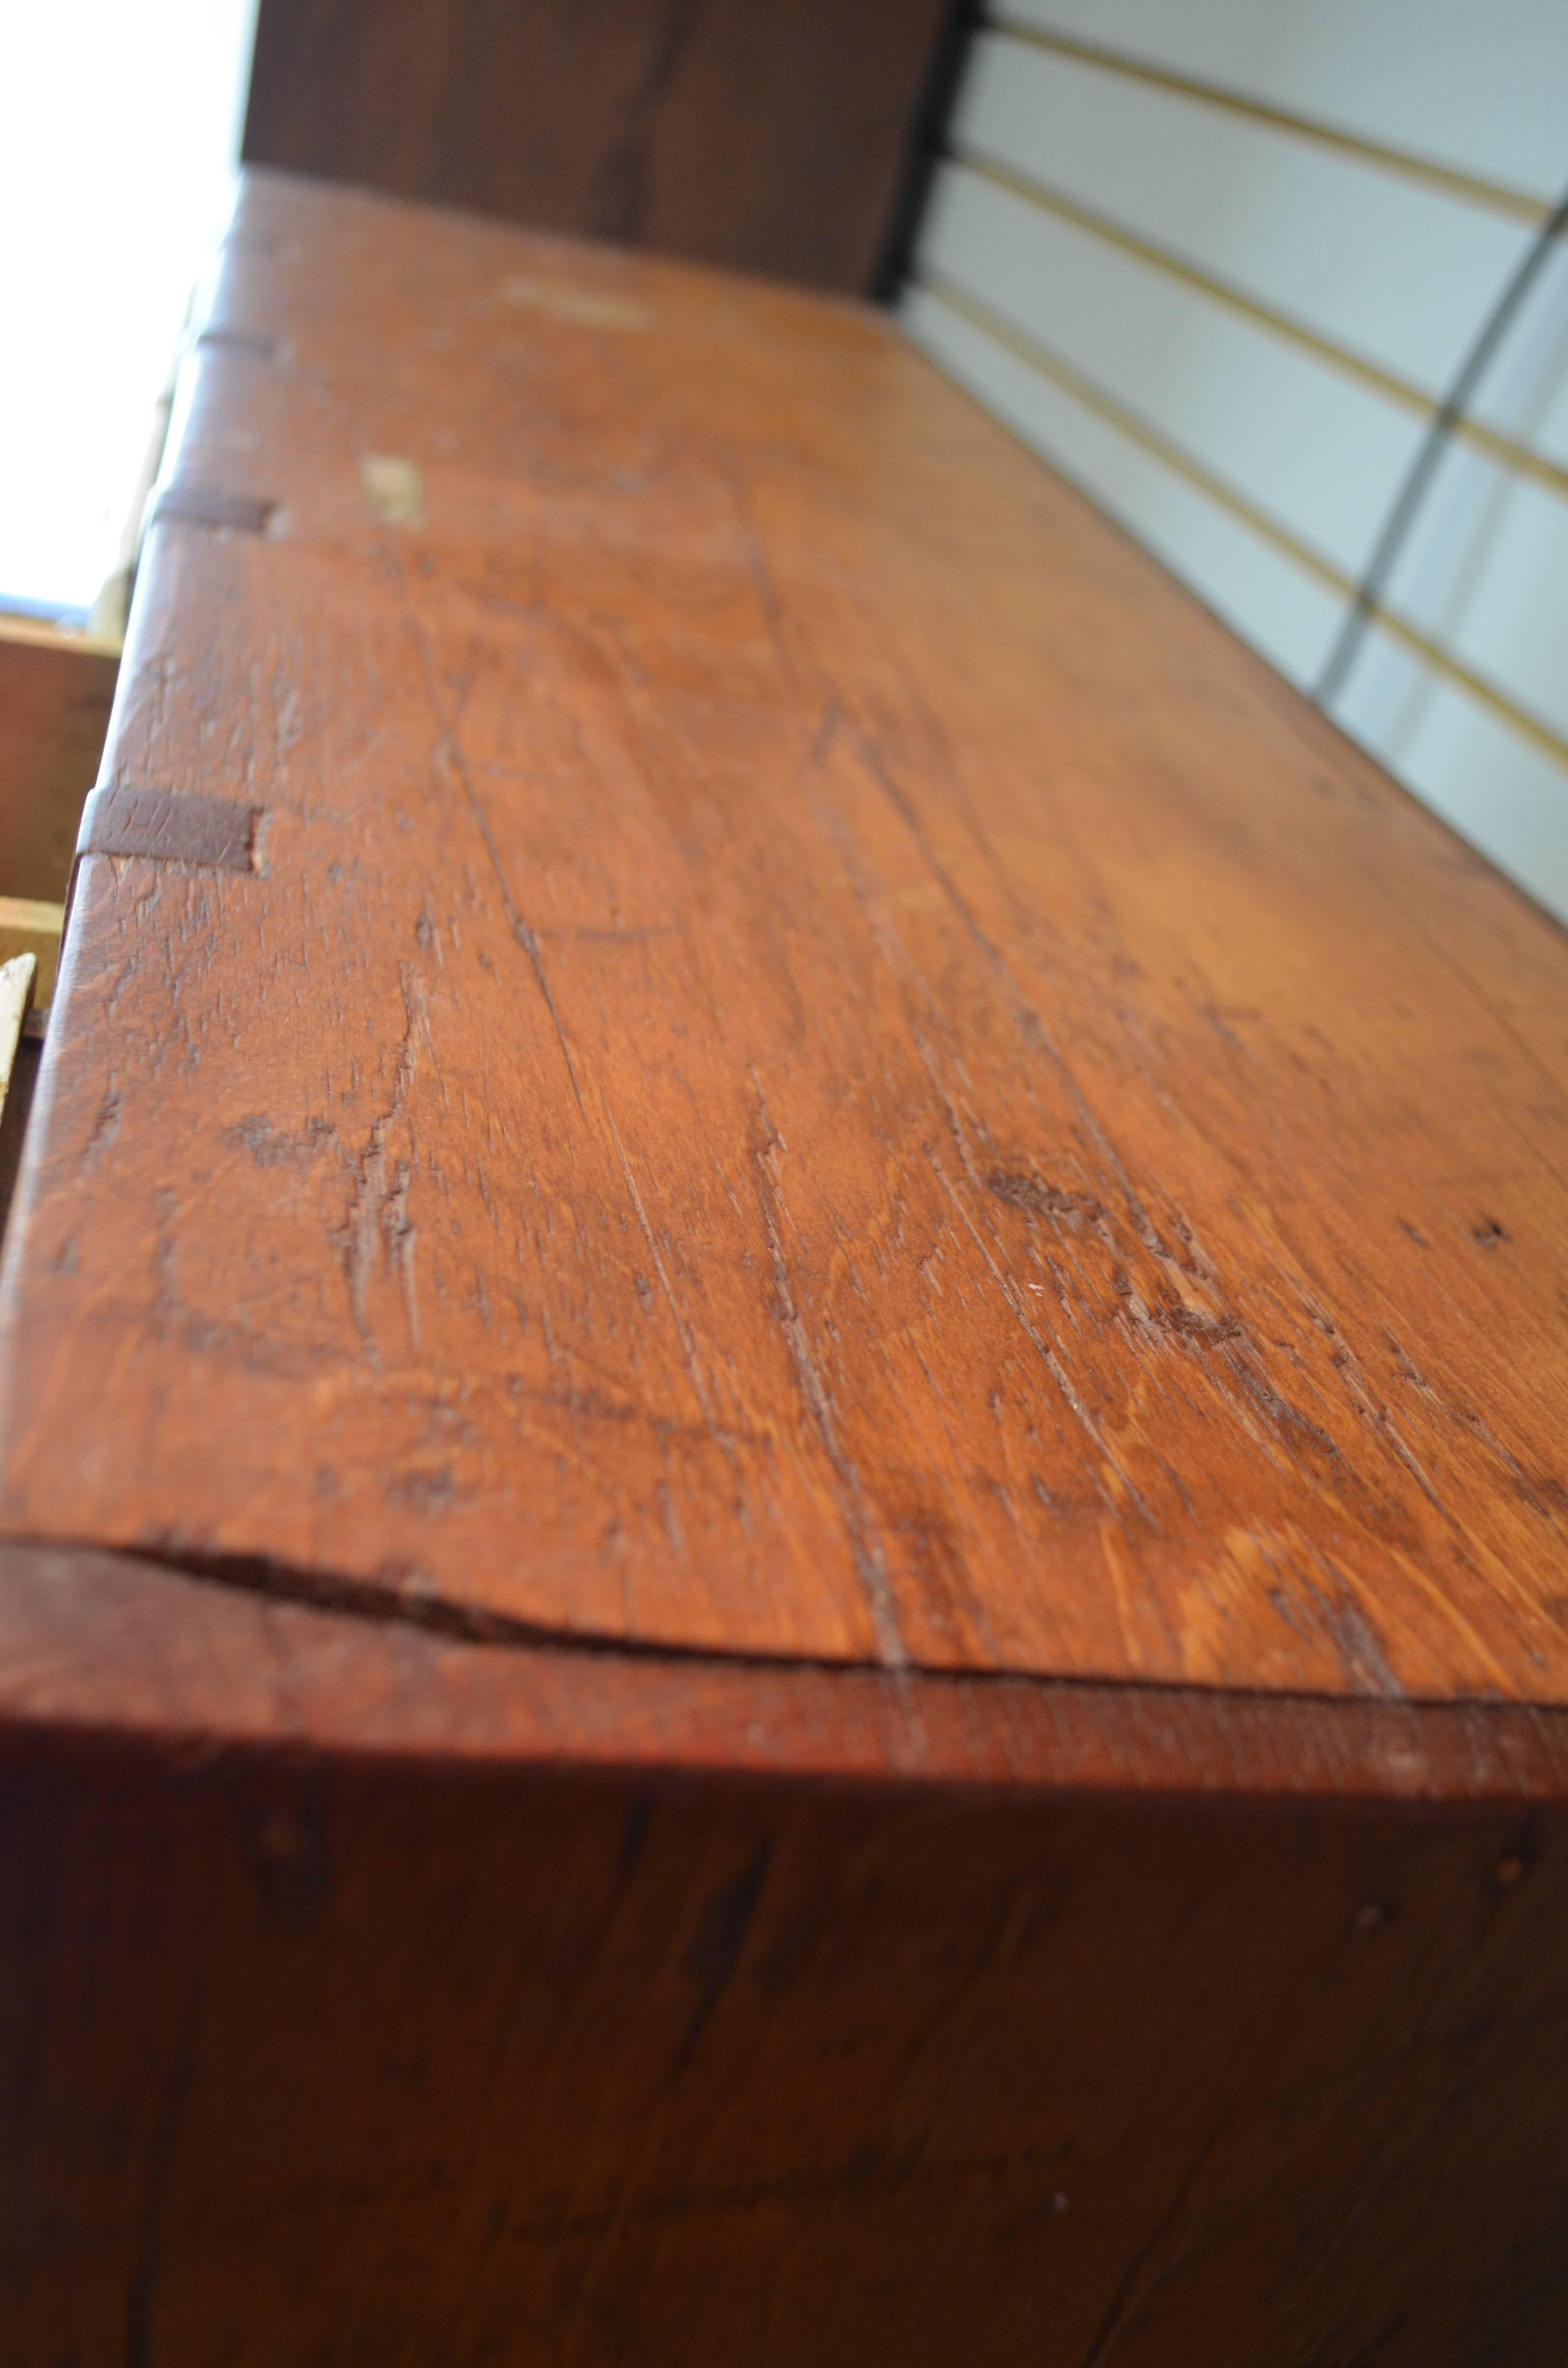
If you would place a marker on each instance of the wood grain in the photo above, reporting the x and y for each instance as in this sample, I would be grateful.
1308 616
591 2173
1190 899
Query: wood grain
797 1257
770 135
326 2038
822 1066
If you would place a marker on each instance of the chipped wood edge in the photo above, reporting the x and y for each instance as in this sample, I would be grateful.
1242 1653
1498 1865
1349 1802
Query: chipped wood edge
100 1649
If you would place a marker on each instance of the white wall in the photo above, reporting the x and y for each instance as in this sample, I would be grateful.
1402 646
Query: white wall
1218 260
119 125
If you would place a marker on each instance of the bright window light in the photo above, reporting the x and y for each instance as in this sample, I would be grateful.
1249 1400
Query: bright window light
119 127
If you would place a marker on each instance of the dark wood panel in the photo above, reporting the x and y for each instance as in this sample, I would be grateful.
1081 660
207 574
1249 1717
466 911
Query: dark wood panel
767 134
817 1063
369 1994
55 695
328 2062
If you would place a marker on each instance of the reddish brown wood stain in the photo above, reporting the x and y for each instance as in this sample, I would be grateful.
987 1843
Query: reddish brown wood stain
369 1994
778 1254
822 1065
382 2069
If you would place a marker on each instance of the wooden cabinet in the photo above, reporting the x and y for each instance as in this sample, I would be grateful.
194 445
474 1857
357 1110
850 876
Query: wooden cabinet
784 1356
766 135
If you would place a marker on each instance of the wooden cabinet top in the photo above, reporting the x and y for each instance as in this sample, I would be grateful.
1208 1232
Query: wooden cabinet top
721 1022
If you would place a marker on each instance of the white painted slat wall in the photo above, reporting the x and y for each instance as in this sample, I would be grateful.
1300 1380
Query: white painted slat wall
1218 261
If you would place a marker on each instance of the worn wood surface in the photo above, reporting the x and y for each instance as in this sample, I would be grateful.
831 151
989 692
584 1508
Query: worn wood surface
818 1065
55 695
770 135
118 1647
797 1255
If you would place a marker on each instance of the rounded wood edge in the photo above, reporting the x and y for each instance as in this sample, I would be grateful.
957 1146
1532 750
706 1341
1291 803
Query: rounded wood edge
100 1649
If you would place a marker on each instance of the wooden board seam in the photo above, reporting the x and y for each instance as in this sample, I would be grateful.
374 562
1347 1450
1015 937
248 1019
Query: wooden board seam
103 1653
414 1606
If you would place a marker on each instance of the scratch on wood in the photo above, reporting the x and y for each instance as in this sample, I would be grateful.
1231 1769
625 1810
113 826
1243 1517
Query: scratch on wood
379 1196
1052 1362
683 1330
870 1564
453 756
721 1936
